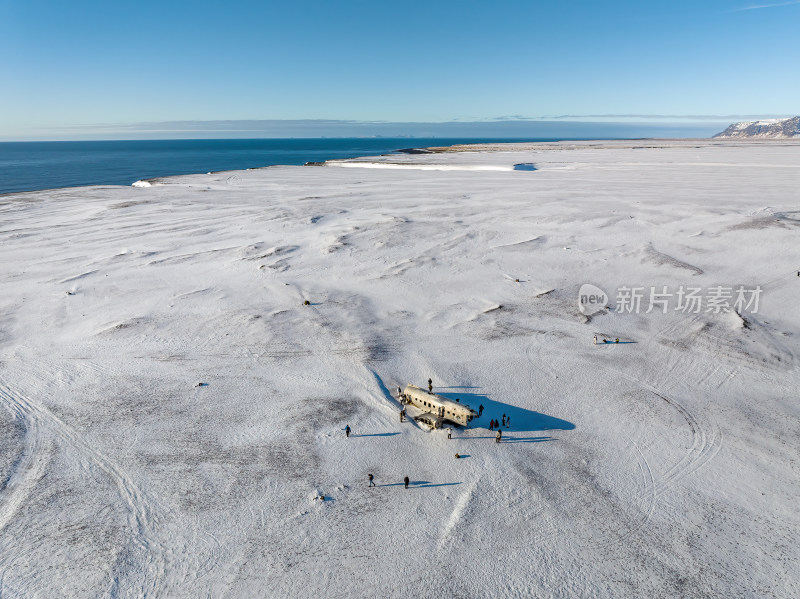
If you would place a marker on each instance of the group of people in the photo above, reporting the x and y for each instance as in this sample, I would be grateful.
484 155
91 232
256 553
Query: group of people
371 479
494 424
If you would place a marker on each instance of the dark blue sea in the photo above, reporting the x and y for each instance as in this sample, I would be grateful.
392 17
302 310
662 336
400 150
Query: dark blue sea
30 166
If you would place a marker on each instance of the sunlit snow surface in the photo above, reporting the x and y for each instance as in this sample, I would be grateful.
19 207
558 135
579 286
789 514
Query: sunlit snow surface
666 467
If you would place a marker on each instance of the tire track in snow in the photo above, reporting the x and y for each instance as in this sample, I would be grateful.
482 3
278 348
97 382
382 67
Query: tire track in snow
706 446
706 435
705 440
705 443
36 454
455 515
141 520
550 524
649 497
538 363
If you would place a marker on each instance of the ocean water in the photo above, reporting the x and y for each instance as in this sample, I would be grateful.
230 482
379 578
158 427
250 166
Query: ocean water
30 166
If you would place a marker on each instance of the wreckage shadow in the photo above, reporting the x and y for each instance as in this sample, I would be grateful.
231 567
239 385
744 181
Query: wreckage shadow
521 420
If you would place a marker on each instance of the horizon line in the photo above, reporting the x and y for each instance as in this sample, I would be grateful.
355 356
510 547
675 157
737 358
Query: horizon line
606 118
504 127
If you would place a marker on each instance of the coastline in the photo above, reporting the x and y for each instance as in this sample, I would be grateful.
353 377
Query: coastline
33 166
506 146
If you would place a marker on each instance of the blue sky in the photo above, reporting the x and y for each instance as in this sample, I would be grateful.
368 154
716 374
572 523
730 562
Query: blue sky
103 68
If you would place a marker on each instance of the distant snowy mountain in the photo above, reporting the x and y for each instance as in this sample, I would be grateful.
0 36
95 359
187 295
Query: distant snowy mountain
771 129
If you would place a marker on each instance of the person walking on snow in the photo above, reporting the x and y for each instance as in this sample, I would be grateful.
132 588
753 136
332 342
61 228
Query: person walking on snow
508 421
595 339
402 413
371 481
498 435
430 385
491 425
347 430
504 419
480 410
449 433
406 481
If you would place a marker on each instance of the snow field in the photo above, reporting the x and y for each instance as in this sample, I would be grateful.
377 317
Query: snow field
665 467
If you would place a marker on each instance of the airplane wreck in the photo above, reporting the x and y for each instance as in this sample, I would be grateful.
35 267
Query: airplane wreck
437 411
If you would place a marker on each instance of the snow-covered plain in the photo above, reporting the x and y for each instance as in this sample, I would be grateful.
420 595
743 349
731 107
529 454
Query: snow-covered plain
666 467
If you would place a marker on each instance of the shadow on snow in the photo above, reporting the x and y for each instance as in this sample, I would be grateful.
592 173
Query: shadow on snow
386 393
419 484
506 439
521 420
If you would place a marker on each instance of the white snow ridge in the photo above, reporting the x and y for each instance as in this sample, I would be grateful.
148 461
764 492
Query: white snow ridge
173 415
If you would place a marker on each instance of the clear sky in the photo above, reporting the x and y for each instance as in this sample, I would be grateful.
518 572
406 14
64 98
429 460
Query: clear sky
112 64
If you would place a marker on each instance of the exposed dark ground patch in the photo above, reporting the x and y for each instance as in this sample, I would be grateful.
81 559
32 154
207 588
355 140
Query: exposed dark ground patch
12 434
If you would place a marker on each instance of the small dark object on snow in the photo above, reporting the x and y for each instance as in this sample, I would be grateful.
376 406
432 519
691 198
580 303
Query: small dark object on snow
306 303
458 456
516 280
406 481
430 385
371 481
617 340
347 430
201 385
70 293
